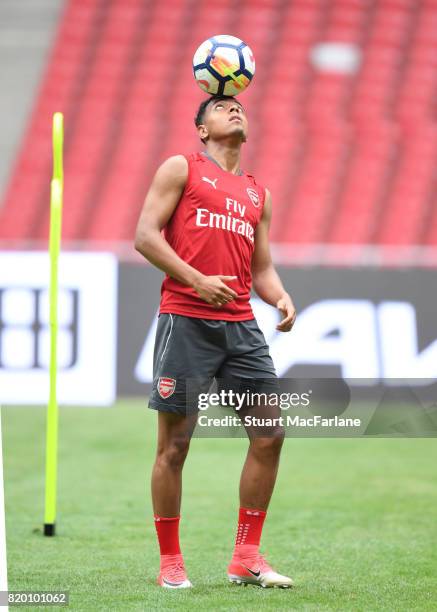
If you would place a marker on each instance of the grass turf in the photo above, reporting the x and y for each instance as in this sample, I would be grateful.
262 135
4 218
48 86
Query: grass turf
353 521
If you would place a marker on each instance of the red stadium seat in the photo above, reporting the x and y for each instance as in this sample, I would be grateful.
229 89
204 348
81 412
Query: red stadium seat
349 155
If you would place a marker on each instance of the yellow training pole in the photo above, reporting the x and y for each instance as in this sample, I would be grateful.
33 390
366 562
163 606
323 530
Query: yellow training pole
54 249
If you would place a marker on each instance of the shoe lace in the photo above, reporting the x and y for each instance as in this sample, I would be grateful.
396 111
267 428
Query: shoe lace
257 560
263 565
174 569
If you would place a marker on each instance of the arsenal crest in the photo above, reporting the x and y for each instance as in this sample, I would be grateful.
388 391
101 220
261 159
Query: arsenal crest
166 387
253 195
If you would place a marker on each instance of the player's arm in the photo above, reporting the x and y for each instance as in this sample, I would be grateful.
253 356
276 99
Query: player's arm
161 201
266 281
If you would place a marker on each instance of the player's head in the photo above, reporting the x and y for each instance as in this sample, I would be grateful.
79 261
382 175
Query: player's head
221 117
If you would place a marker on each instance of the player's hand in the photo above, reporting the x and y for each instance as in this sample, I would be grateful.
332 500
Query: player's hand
213 290
286 306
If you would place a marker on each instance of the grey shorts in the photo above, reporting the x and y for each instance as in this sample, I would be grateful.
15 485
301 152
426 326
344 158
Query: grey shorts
189 349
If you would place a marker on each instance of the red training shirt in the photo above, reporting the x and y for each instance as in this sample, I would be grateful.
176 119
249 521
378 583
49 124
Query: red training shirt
213 230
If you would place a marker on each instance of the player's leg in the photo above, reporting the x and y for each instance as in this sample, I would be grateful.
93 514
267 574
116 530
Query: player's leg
174 434
250 360
185 349
260 469
257 482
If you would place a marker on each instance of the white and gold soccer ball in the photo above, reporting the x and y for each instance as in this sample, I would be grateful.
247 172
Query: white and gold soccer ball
223 65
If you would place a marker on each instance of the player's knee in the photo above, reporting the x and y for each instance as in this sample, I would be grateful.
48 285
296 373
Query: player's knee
270 446
174 453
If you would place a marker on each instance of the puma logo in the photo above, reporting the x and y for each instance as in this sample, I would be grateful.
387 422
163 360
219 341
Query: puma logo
207 180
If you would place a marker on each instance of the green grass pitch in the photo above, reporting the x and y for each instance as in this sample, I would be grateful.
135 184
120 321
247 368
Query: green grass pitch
352 521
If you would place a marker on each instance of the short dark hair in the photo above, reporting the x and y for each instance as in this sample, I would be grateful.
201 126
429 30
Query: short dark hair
198 119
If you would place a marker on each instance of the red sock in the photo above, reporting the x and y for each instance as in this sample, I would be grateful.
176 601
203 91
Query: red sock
250 525
167 530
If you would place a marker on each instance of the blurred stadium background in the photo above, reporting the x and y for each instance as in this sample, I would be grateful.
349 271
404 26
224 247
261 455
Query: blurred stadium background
343 131
342 110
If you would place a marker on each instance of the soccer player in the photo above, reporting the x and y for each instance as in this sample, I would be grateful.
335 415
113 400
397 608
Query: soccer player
214 247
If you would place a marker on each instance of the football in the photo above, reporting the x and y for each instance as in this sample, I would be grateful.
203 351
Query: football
223 65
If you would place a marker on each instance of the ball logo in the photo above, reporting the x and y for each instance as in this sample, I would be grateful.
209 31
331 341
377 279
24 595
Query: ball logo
166 387
223 64
253 195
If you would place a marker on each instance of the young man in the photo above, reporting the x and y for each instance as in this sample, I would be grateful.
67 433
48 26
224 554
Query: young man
215 219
